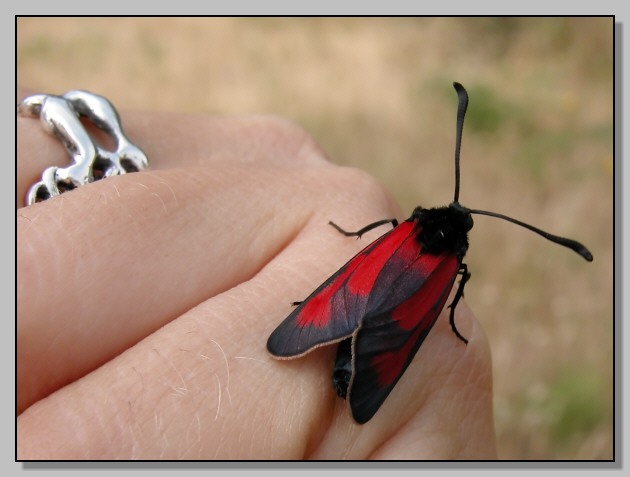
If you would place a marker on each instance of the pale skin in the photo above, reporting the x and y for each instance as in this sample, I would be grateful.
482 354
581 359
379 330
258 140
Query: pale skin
144 303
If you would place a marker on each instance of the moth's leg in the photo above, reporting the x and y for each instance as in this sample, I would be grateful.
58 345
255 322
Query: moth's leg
458 294
365 229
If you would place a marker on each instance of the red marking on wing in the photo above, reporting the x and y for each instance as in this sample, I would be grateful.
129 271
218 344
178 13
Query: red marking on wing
316 311
390 365
417 315
441 271
363 283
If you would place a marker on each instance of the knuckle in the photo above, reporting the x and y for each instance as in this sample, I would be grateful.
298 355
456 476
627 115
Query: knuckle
298 147
358 190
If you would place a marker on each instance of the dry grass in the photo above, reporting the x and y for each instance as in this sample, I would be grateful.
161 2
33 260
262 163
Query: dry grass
376 94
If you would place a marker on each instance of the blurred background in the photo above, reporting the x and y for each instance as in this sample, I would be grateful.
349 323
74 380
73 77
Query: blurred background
376 94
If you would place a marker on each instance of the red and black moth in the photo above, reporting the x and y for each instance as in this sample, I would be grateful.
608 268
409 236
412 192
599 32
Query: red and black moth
381 305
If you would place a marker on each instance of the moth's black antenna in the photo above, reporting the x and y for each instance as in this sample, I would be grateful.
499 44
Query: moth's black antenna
462 95
574 245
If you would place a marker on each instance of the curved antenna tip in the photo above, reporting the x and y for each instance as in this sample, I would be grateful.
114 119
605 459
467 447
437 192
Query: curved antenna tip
462 96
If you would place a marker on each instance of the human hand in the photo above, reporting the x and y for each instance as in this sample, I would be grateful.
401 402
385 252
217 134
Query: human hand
145 302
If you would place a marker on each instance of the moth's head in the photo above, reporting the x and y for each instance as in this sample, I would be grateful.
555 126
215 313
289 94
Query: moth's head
444 229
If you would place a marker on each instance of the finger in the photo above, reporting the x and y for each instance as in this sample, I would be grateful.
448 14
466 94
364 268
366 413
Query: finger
204 386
